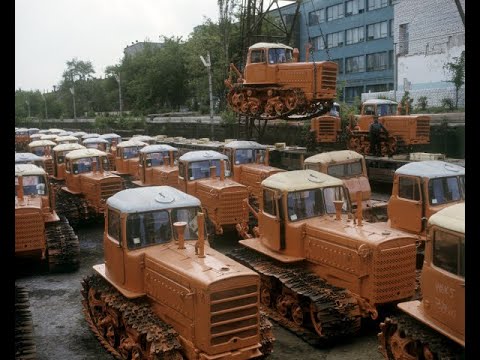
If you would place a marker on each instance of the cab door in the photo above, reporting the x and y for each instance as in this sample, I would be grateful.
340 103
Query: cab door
405 208
269 220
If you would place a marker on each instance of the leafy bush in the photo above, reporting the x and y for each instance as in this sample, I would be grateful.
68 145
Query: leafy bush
406 102
448 103
422 103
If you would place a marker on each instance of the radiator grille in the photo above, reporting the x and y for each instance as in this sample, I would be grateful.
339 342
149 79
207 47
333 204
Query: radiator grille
329 77
423 128
234 313
29 231
394 274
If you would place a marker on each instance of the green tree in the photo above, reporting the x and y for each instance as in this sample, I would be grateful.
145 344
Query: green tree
456 71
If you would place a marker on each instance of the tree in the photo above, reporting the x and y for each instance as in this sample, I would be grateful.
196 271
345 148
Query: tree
456 70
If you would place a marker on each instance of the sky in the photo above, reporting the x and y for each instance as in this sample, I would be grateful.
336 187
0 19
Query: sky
48 33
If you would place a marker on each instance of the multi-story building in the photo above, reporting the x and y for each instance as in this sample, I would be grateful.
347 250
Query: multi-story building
357 34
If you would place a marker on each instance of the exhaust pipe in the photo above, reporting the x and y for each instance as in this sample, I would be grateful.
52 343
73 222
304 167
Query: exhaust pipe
20 189
222 170
172 161
180 229
166 161
200 245
359 208
267 157
338 209
213 172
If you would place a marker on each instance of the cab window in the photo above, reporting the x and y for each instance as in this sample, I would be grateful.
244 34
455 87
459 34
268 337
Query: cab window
449 252
408 188
444 190
148 228
257 56
269 202
188 215
114 224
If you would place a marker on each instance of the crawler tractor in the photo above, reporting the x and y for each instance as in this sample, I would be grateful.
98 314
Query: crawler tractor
204 175
322 270
433 327
126 160
95 143
163 293
22 138
43 148
158 165
39 232
29 158
250 166
67 139
274 85
404 131
88 185
350 166
111 147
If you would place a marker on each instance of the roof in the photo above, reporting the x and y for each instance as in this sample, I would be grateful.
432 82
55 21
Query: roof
94 140
142 138
110 136
55 130
78 133
157 148
300 180
63 147
150 198
129 143
81 153
451 218
244 144
379 101
28 169
66 138
48 137
333 156
430 169
26 156
41 143
87 136
200 155
262 45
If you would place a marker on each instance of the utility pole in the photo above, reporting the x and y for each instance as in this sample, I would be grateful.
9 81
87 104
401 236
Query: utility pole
45 101
72 90
208 65
117 77
28 106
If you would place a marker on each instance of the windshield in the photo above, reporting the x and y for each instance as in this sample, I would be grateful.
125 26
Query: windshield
248 156
86 164
32 185
315 202
386 109
39 151
345 170
148 228
130 152
444 190
449 252
156 158
188 215
201 169
280 55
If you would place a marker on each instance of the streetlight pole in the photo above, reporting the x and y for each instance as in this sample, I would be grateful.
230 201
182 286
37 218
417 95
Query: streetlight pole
28 106
208 65
72 90
117 77
45 101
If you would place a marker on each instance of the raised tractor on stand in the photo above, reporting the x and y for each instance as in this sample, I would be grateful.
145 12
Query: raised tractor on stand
40 234
88 185
433 327
250 165
274 85
163 293
206 175
404 131
323 270
158 165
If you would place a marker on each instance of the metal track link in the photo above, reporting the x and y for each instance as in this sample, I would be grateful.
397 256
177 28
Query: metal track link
403 337
75 208
128 329
25 347
63 247
313 309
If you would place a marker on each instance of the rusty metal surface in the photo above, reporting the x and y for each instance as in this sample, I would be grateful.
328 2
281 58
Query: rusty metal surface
25 347
63 247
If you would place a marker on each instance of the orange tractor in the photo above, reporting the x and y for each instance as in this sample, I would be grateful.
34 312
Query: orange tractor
158 165
127 160
163 293
404 131
433 327
43 148
88 185
39 232
206 175
274 85
250 165
322 269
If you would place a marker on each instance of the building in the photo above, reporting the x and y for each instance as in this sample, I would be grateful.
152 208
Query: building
428 34
357 34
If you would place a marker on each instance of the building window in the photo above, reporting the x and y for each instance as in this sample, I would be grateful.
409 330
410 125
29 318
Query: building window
339 64
335 12
377 88
316 17
352 92
355 35
391 28
377 61
335 39
391 60
318 43
403 39
377 30
376 4
355 64
353 7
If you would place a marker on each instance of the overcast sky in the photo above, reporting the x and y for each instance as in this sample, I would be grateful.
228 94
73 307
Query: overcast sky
48 33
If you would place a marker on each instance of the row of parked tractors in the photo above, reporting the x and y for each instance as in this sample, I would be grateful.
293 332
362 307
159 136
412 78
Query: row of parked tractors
318 255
